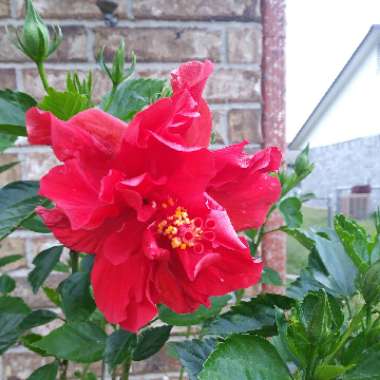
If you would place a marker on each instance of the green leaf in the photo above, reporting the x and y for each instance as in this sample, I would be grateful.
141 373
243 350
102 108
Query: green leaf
132 96
37 318
17 203
9 259
80 342
302 166
339 266
13 106
354 240
44 263
64 105
329 372
29 340
291 210
119 346
368 366
52 295
258 315
193 353
6 141
7 284
370 287
6 167
77 302
301 236
35 224
244 357
12 311
200 315
270 277
47 372
151 341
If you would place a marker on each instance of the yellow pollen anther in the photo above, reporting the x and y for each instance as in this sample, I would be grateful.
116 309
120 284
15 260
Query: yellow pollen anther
176 242
183 246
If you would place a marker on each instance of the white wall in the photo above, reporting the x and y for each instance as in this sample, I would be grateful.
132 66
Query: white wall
356 111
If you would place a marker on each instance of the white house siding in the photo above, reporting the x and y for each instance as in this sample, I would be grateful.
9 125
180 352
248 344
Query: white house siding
356 111
346 164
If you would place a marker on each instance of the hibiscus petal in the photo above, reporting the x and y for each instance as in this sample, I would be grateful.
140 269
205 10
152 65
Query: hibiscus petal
121 291
192 76
72 190
243 186
88 241
38 125
121 244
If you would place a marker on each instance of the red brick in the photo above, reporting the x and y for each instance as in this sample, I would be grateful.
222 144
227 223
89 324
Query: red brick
245 45
9 175
219 126
4 8
73 47
8 53
236 85
197 9
83 9
162 44
7 78
13 246
245 125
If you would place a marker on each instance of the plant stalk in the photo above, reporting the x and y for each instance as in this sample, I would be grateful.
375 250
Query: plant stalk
74 261
126 368
43 76
110 99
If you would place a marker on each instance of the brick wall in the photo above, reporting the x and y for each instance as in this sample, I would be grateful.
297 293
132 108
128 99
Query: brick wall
162 33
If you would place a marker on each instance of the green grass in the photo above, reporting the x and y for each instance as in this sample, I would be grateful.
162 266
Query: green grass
312 217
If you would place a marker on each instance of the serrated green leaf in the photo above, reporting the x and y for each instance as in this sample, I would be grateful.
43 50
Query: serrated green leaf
18 201
7 284
193 353
200 315
119 347
63 105
354 240
13 106
370 287
244 357
44 263
80 342
150 341
76 300
291 210
368 366
132 96
329 372
258 315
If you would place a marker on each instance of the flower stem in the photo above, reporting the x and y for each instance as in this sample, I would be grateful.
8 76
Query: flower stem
74 261
182 371
63 369
126 368
43 76
110 98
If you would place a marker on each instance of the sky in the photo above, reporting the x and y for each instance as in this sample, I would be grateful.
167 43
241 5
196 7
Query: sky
321 37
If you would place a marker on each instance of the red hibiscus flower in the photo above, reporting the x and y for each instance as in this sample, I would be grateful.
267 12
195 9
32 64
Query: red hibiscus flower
156 207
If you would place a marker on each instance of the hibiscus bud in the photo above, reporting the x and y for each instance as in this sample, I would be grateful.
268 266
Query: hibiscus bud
35 39
117 73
